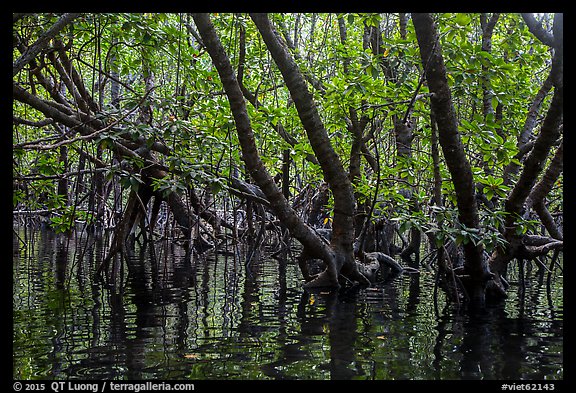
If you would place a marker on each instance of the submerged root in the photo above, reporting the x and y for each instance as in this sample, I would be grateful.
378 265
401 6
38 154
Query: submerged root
382 259
324 279
368 270
123 229
362 271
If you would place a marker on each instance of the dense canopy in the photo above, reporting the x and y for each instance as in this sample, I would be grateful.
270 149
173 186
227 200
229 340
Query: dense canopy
361 136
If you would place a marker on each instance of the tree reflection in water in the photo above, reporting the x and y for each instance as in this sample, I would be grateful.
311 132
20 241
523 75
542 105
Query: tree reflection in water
172 315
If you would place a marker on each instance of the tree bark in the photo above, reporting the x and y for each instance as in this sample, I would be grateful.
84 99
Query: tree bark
332 168
534 164
549 134
487 30
450 141
543 188
310 240
524 145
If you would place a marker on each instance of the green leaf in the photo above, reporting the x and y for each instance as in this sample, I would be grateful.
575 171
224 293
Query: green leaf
216 186
404 226
494 103
374 72
489 193
463 19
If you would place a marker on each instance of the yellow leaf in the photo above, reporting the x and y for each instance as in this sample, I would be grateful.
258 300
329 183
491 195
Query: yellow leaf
386 52
312 300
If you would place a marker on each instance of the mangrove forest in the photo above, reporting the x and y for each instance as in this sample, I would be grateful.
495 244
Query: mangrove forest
287 196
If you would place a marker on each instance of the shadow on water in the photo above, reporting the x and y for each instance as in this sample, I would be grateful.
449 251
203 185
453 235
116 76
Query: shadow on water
173 315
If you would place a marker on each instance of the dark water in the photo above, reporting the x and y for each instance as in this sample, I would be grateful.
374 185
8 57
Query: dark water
174 317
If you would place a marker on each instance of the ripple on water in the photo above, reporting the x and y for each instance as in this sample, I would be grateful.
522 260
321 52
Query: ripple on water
217 320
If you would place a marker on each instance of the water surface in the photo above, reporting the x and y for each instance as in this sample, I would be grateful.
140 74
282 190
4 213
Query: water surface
175 316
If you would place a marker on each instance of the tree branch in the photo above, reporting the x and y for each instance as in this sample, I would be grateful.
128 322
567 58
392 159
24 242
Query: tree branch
329 160
42 42
536 28
251 158
449 138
